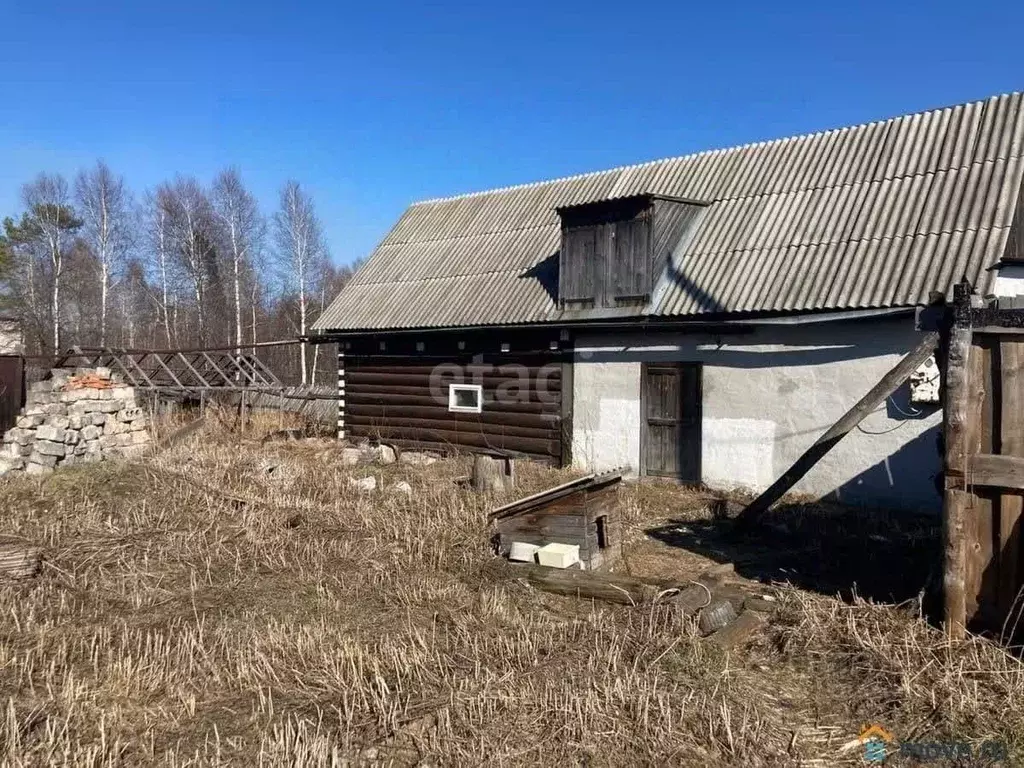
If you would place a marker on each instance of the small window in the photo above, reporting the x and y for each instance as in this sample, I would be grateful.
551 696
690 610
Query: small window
465 398
602 532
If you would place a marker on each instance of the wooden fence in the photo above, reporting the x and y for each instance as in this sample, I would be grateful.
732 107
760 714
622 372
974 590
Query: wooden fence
984 466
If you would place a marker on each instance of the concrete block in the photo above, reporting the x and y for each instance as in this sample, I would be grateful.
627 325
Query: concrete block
43 459
91 432
130 414
54 434
50 448
363 484
55 409
61 422
35 468
401 487
139 424
29 422
124 394
96 419
75 421
10 463
417 458
523 552
21 436
114 427
132 451
72 436
558 555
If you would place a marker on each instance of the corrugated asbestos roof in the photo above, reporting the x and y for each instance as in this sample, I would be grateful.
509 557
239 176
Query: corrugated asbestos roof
877 215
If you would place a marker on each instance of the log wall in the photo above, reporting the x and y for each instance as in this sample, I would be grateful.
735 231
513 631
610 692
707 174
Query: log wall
404 400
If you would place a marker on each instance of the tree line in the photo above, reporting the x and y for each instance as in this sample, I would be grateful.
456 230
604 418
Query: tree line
86 262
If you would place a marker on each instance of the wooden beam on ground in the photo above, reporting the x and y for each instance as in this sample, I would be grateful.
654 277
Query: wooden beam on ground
875 397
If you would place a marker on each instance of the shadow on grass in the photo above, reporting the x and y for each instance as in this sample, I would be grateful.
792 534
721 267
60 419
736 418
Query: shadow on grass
881 556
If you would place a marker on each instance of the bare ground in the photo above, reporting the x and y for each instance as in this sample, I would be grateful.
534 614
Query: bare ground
229 602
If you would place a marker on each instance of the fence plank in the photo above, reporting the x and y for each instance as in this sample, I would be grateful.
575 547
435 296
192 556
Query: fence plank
1011 444
982 579
990 469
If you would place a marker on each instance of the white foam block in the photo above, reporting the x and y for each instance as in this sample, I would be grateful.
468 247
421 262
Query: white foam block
558 555
522 552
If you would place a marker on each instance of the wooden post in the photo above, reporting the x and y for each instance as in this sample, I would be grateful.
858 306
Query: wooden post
956 500
875 397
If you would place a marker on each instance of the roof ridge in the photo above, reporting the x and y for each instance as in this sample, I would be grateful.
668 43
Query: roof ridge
700 153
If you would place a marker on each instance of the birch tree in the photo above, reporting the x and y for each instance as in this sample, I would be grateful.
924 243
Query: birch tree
189 223
302 254
158 238
106 210
48 200
242 233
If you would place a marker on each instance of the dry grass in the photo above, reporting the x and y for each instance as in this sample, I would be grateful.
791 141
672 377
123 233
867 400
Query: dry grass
236 604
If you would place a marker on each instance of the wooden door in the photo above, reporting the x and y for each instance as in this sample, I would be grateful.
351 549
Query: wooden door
670 442
12 389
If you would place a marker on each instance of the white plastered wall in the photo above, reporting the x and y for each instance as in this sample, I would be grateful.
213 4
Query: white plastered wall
767 396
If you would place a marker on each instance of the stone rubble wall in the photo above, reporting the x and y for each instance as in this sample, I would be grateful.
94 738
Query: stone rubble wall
75 416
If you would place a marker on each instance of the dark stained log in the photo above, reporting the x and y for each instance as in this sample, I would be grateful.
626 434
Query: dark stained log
875 397
492 418
488 380
956 499
391 399
455 439
501 372
525 429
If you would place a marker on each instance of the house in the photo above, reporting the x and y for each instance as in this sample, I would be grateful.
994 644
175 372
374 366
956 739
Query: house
703 317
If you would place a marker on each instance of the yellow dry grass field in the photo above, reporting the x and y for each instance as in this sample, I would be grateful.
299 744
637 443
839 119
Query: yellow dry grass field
232 602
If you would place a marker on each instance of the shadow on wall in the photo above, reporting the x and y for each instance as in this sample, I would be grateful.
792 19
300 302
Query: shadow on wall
718 350
910 477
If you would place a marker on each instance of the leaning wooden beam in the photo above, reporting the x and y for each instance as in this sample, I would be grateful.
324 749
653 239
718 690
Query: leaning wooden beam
875 397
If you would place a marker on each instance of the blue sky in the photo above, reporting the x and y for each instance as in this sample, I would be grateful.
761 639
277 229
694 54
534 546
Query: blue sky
373 106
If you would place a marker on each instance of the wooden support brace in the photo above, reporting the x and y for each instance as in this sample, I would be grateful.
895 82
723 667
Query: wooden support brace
875 397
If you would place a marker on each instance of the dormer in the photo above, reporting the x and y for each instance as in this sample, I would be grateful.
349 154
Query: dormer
613 251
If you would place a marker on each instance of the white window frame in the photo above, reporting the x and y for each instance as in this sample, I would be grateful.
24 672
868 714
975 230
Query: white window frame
477 388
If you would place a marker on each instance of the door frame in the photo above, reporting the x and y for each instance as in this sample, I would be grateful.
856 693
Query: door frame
644 367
